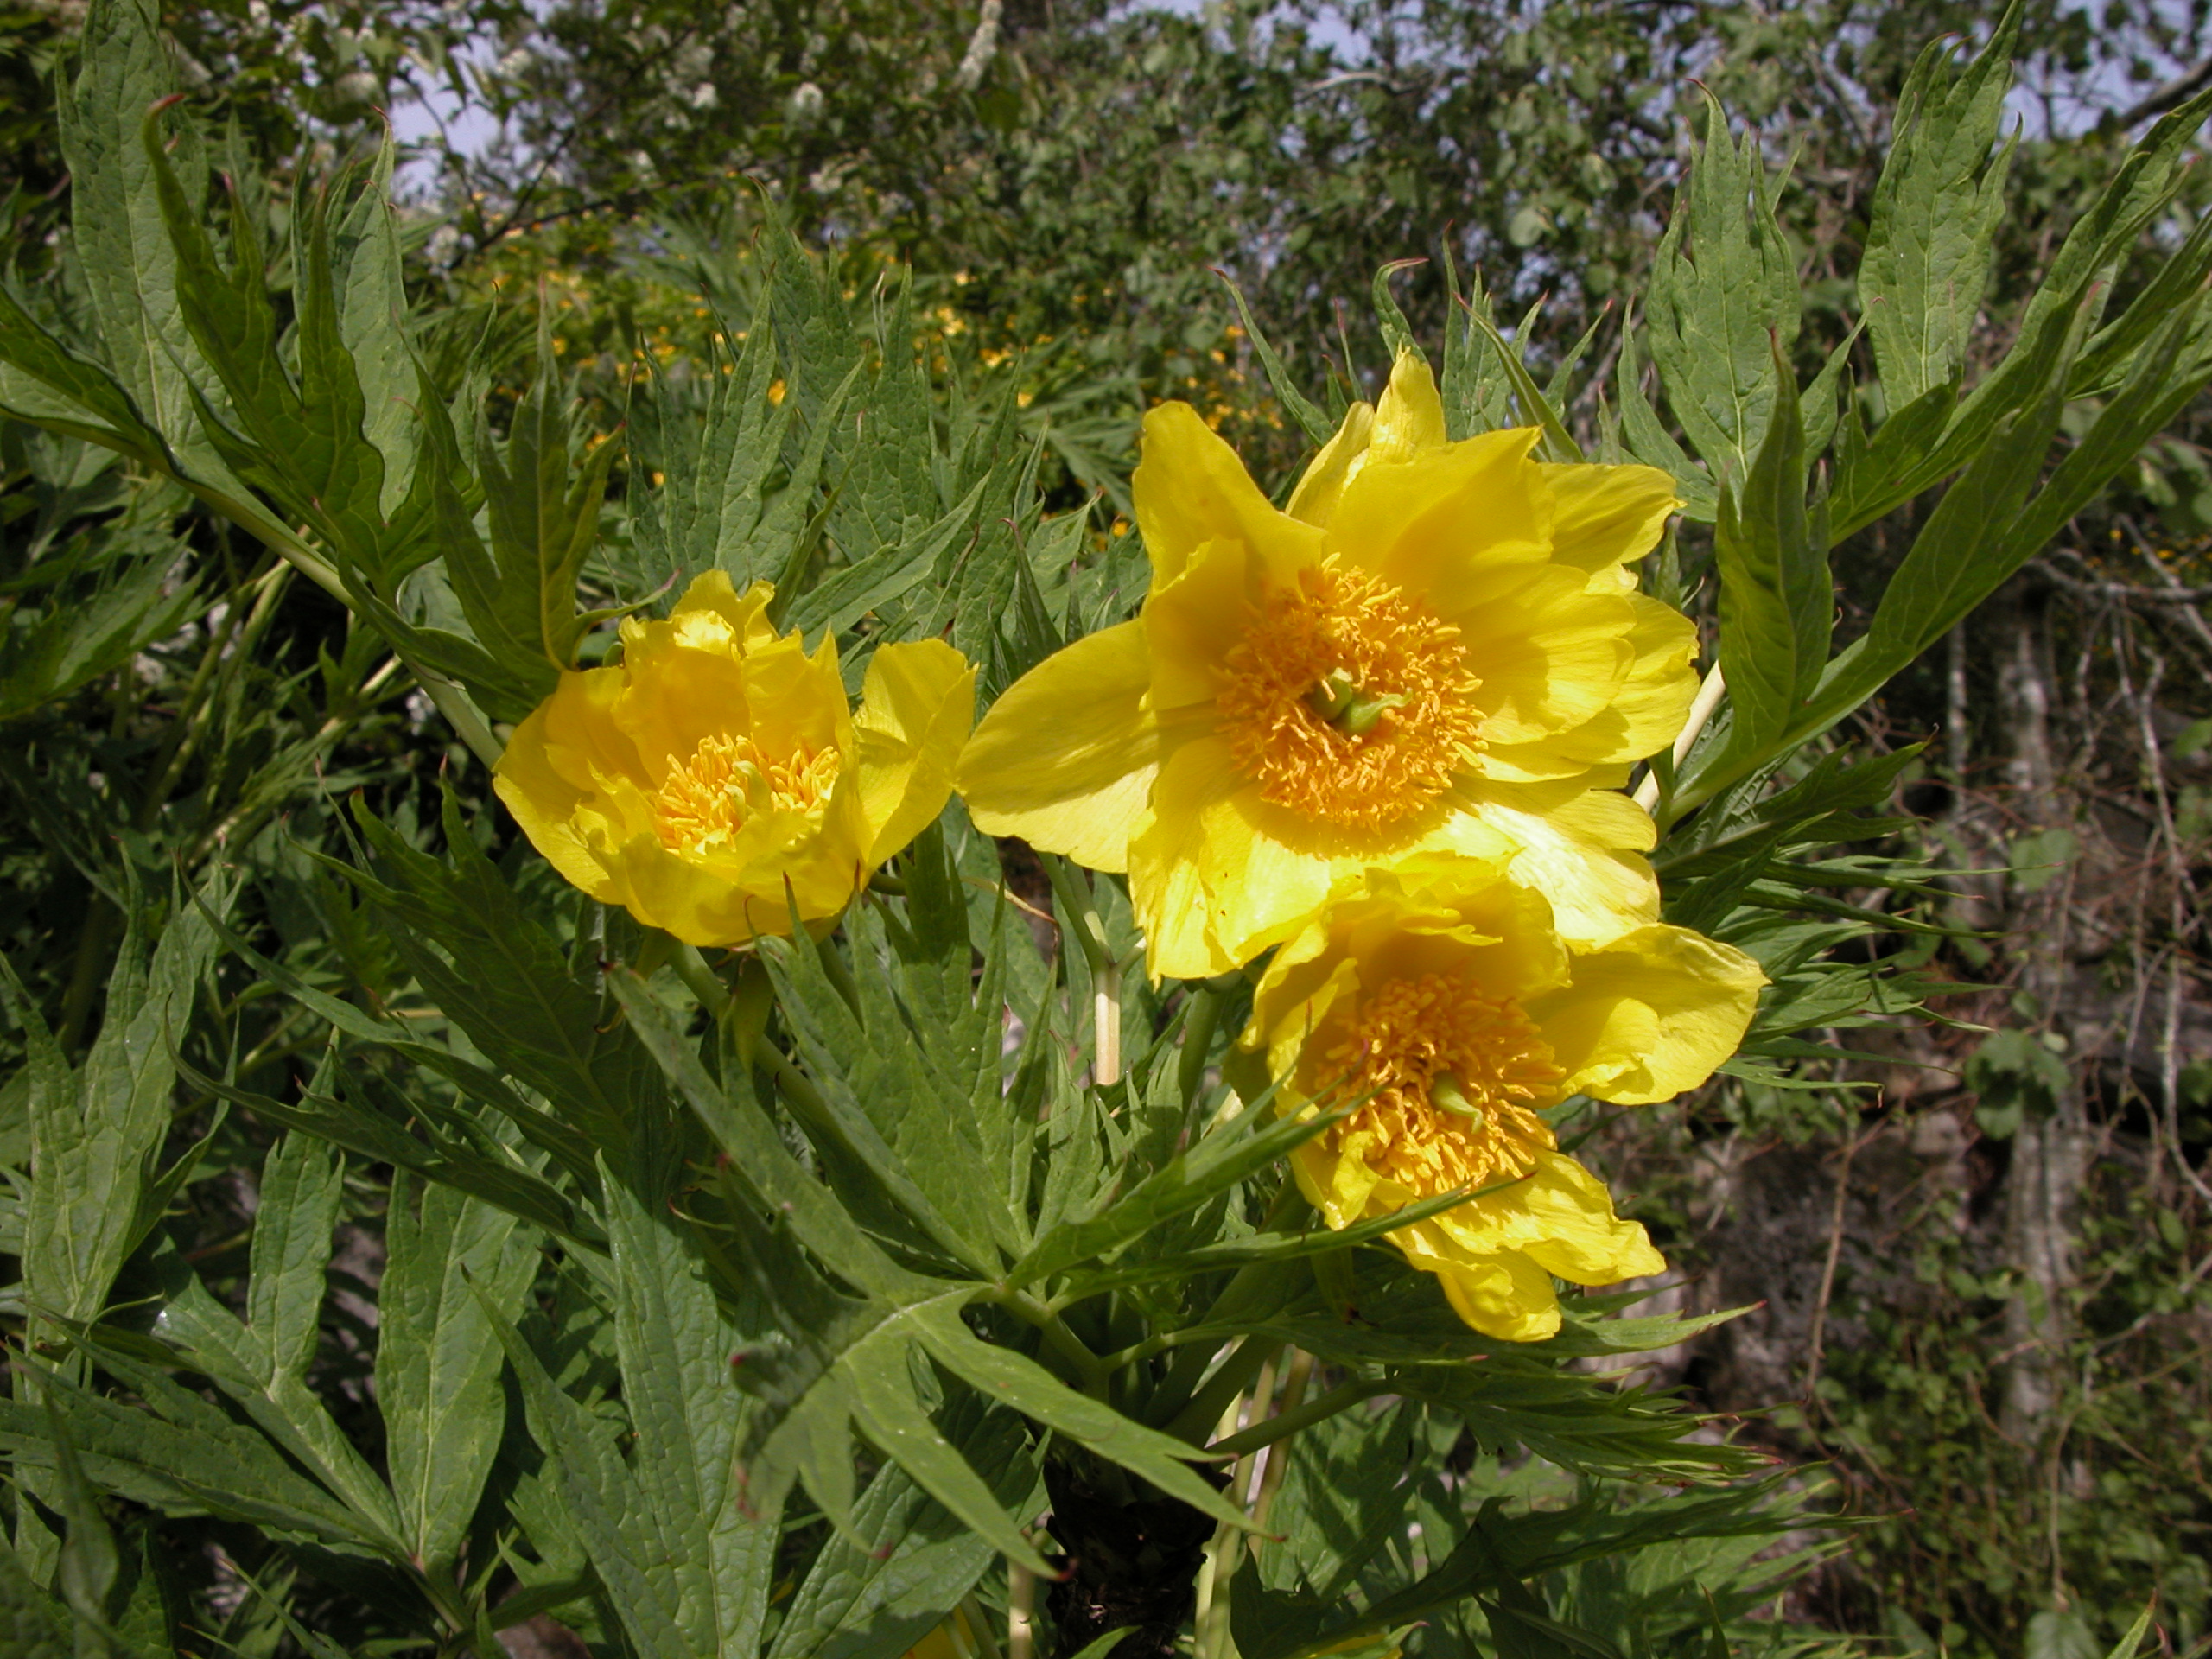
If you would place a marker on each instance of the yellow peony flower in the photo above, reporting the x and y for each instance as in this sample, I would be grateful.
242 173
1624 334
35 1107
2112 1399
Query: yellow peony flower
720 760
1437 647
1445 995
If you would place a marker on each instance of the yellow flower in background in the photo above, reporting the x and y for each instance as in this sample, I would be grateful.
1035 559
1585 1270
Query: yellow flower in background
1444 995
953 1639
720 760
1436 647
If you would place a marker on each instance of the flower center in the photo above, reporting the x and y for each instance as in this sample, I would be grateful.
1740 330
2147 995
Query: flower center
1453 1073
1348 702
706 800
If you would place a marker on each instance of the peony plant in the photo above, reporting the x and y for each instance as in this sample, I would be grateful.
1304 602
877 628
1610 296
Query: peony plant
1130 1180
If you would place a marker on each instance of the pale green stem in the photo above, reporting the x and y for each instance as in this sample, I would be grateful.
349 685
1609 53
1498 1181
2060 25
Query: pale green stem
1708 700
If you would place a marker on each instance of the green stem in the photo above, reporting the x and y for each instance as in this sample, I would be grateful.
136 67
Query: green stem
1078 900
1196 1420
1064 1344
184 729
1190 1365
702 981
792 1081
1198 1040
461 714
93 940
449 698
1342 1398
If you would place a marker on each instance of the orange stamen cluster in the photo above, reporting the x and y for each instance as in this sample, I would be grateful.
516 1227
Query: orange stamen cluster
1344 628
1397 1042
703 803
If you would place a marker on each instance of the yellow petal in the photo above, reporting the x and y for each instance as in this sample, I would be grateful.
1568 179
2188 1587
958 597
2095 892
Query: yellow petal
1582 849
545 803
1559 1214
793 698
1190 489
745 615
915 708
789 803
1505 1295
1577 1236
1342 1189
682 683
1065 760
1194 619
1606 515
1322 483
1409 419
1457 526
1654 700
1551 658
1213 880
1646 707
1650 1014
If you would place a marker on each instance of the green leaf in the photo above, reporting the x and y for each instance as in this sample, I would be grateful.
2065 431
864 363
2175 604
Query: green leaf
1474 386
710 507
369 1117
372 311
674 1342
302 1183
438 1356
1723 299
1522 1627
301 445
95 1138
1344 1491
1397 332
500 977
1776 597
86 1574
1965 549
1312 421
685 1545
30 1621
879 1589
48 383
1931 231
1937 440
851 1365
521 600
183 1456
250 1364
2129 1645
568 1149
602 1504
1318 1244
1224 1157
2170 369
755 1153
47 655
2060 1634
1530 406
891 571
882 1104
1648 439
123 248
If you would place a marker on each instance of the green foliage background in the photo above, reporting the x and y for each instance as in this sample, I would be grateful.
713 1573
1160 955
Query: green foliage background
343 1137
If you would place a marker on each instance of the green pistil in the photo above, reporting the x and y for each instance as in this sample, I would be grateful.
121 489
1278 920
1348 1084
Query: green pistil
1445 1094
1343 703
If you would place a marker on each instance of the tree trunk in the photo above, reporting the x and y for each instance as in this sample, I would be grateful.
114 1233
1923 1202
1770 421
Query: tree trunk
2050 1146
